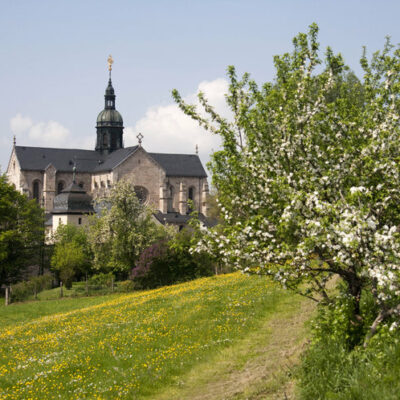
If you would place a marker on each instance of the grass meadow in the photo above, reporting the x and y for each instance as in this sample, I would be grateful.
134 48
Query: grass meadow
128 346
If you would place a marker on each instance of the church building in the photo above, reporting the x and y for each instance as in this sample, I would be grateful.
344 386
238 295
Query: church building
163 181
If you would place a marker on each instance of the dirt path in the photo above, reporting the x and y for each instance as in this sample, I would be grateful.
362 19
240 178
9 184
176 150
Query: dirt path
258 367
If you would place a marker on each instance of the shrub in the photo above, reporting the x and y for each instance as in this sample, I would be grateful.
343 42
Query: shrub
337 366
151 265
165 263
43 282
126 286
23 290
102 280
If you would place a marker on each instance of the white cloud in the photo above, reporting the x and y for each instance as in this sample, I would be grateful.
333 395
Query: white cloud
20 124
51 133
167 129
30 133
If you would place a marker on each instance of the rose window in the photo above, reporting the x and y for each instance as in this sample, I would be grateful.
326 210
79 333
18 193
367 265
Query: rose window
142 194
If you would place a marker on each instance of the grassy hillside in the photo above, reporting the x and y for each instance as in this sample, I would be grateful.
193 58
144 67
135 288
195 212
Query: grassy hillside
171 342
21 313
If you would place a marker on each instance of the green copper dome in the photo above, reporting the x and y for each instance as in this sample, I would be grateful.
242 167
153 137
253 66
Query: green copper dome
109 117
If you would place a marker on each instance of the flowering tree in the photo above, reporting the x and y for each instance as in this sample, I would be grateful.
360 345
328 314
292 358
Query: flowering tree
308 175
122 230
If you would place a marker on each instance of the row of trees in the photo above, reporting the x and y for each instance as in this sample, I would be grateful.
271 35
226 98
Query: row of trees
123 239
308 180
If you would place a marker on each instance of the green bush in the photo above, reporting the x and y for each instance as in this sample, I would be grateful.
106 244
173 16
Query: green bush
334 321
337 366
23 290
101 280
43 282
126 286
165 263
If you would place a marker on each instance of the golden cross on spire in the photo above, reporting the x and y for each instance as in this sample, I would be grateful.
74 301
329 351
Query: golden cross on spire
110 62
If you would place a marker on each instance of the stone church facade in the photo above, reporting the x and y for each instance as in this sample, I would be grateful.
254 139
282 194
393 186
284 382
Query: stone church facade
163 181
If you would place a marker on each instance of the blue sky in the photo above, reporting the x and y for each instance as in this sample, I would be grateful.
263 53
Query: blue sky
54 68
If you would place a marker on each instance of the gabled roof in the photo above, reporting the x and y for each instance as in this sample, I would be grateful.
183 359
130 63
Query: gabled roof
114 159
38 158
180 164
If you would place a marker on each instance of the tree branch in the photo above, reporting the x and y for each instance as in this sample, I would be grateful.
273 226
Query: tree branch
383 314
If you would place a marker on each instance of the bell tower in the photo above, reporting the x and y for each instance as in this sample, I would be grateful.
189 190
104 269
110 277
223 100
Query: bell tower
109 125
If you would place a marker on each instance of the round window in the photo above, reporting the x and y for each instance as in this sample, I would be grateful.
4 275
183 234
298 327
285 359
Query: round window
142 194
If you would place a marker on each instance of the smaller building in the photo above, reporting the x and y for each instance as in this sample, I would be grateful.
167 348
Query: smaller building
72 206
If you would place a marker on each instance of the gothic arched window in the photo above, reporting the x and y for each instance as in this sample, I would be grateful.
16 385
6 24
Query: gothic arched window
171 199
191 198
191 193
36 190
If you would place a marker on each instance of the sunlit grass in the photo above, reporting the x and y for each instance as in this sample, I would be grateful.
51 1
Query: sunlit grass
21 313
130 346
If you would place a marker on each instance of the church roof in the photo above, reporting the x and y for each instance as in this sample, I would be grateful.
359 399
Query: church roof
113 159
73 200
180 164
38 158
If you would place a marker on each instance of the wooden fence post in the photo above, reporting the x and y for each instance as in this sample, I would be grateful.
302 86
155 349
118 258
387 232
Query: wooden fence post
61 289
6 295
87 287
112 285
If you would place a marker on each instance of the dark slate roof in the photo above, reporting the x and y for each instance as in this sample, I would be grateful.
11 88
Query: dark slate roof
73 200
115 158
181 219
38 158
180 164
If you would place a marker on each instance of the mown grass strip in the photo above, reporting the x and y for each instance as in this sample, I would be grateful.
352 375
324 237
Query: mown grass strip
260 366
